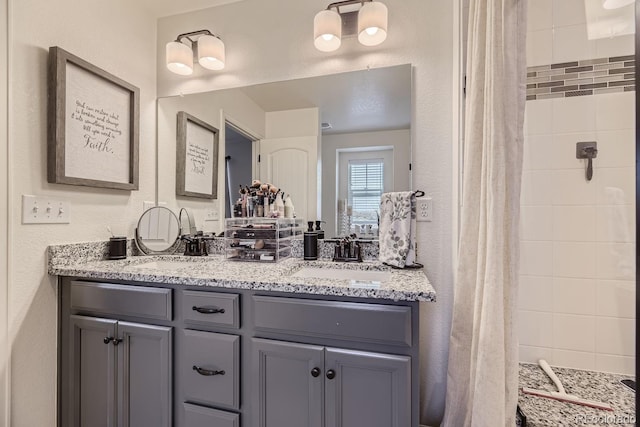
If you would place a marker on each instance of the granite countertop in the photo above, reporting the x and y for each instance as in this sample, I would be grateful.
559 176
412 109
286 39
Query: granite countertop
598 386
81 260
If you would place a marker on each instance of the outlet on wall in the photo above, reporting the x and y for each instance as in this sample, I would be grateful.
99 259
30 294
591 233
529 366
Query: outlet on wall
425 209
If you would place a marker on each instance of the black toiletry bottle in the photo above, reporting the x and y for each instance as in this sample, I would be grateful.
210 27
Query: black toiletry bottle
310 243
319 230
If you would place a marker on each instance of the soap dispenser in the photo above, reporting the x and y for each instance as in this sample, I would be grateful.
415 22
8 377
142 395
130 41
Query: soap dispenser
319 230
310 243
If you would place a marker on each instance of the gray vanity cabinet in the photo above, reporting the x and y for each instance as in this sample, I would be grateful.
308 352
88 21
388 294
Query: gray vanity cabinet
309 385
115 372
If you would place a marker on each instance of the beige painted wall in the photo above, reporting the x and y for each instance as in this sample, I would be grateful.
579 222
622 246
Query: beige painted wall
4 206
120 37
271 42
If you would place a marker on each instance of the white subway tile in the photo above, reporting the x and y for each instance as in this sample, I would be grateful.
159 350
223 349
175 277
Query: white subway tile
540 17
571 43
535 328
615 223
563 153
615 336
566 12
615 261
536 152
538 117
616 298
624 365
535 293
570 186
574 296
574 359
536 258
574 223
574 259
571 332
539 47
536 223
614 111
531 354
616 186
615 148
574 115
537 188
615 46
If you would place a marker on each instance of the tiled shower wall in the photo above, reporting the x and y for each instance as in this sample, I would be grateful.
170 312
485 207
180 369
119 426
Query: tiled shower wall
577 293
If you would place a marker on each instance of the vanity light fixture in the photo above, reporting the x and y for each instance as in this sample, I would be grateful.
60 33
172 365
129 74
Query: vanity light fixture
208 48
369 23
615 4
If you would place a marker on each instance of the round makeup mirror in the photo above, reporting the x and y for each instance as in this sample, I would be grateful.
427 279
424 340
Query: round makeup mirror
158 232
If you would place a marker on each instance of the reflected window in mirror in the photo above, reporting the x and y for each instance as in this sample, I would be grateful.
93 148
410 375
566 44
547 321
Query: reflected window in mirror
363 176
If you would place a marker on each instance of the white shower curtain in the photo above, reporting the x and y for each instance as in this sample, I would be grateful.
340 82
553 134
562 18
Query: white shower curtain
482 377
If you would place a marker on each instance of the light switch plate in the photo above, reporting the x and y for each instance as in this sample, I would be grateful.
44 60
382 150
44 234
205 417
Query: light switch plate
212 215
44 210
425 209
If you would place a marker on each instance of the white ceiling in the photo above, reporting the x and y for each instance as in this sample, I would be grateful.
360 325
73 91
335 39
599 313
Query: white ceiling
162 8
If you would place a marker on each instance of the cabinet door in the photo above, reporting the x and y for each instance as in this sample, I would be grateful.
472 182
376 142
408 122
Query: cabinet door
290 385
92 359
367 389
144 375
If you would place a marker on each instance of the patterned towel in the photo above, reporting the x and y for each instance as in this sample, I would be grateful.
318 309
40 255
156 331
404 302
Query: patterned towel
398 229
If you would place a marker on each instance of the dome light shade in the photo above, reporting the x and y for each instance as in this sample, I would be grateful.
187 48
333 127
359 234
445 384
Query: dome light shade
211 52
372 23
179 58
327 30
615 4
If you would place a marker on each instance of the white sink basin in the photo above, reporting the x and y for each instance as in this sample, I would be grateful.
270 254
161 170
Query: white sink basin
357 276
161 265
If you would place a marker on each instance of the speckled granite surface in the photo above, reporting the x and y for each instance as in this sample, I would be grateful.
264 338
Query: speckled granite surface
598 386
87 260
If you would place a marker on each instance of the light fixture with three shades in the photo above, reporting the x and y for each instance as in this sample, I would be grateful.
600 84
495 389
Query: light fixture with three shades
208 47
328 25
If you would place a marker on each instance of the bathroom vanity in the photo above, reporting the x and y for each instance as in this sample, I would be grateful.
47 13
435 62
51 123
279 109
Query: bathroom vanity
178 341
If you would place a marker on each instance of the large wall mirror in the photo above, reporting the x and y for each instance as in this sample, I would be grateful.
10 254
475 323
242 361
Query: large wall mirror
333 142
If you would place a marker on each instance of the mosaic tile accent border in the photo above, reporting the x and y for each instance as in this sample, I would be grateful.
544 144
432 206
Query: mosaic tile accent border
580 78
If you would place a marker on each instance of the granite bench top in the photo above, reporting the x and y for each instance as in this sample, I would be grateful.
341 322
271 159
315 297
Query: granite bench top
83 260
598 386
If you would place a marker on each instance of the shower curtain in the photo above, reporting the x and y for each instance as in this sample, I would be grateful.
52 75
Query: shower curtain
482 377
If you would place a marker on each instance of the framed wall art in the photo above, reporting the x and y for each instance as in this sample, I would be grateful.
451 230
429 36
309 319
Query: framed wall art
196 158
93 125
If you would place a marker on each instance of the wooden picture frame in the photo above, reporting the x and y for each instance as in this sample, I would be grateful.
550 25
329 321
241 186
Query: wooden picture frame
196 158
93 125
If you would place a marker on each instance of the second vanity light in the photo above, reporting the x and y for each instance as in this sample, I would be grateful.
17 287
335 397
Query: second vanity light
372 20
208 47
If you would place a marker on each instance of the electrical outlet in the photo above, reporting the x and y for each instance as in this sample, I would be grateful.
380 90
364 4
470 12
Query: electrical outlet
212 215
425 209
43 210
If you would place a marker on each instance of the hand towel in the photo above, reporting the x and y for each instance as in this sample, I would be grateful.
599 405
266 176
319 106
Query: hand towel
397 233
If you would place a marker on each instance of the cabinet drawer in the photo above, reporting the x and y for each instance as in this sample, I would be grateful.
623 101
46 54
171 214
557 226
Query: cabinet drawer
121 300
206 308
198 416
210 368
372 323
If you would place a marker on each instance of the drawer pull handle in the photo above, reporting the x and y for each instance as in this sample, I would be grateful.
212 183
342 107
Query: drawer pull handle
331 374
206 310
315 372
206 372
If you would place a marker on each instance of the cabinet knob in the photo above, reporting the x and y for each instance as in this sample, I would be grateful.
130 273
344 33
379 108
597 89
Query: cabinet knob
331 374
315 372
207 310
207 372
107 340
